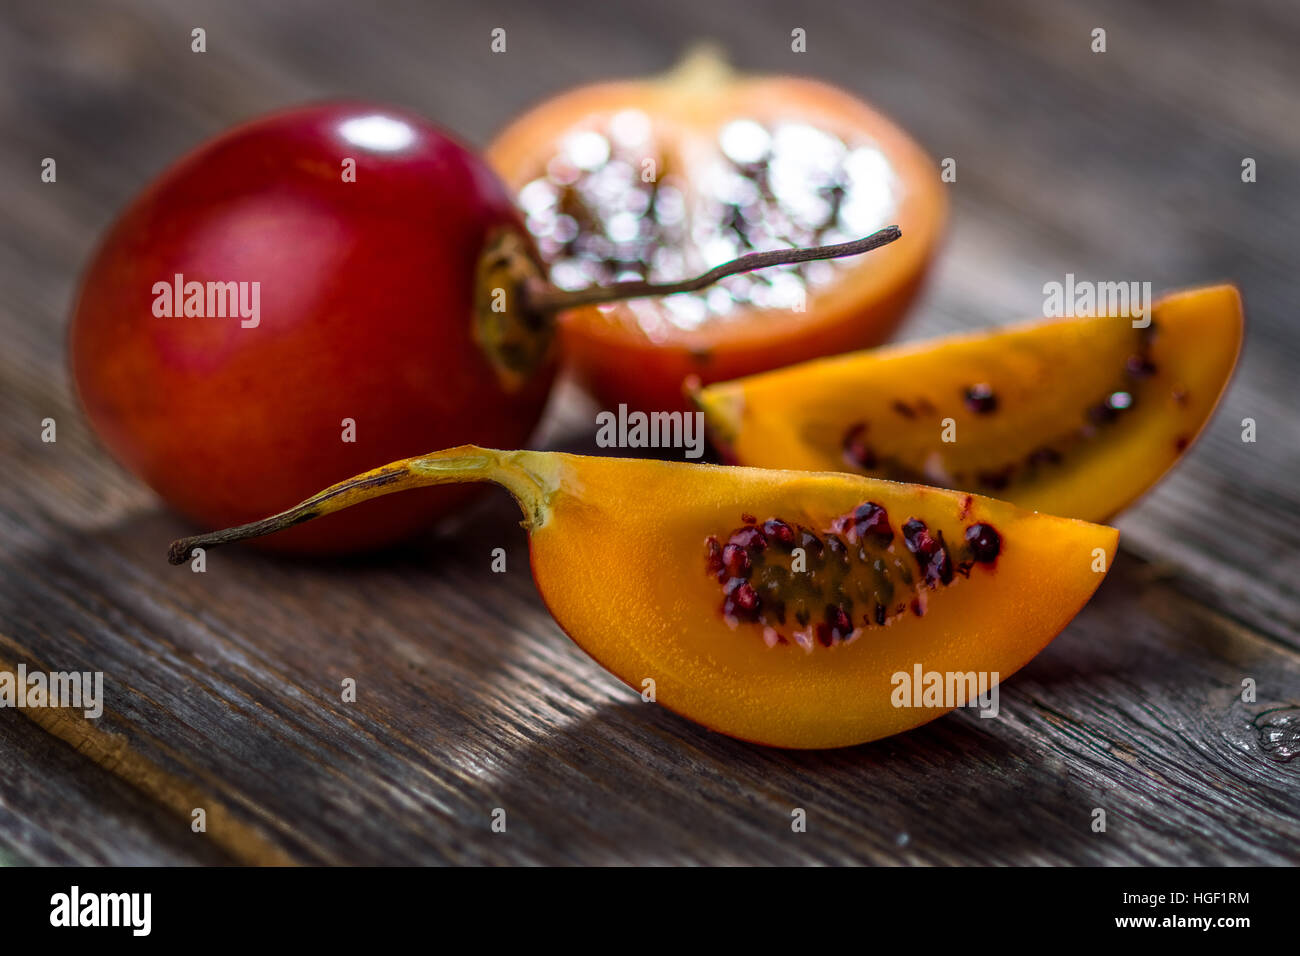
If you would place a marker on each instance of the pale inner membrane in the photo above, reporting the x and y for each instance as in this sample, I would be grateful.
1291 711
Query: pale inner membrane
611 206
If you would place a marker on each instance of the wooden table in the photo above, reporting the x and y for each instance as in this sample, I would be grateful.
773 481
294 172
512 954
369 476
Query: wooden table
223 689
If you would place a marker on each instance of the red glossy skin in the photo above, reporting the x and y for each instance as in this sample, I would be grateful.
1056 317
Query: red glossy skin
366 305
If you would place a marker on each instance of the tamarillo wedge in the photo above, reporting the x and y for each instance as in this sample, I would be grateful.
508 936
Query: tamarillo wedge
774 606
1074 417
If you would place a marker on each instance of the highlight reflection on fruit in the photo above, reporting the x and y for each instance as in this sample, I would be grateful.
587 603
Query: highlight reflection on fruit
664 177
775 606
1074 417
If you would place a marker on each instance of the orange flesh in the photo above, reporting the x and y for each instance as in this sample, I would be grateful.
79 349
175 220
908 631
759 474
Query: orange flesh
737 165
1088 413
621 565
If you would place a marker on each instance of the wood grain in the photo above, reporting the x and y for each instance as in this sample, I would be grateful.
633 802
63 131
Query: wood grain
225 687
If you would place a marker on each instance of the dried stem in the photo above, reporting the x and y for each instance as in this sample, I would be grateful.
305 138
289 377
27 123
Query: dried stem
544 297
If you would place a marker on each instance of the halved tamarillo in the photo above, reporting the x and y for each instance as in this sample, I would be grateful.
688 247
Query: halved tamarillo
659 178
774 606
1074 417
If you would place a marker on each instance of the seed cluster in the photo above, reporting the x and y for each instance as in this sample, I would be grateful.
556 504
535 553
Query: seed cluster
812 588
981 399
611 206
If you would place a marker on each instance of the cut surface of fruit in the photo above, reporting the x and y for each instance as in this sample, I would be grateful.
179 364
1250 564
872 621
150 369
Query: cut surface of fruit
658 179
1075 417
779 607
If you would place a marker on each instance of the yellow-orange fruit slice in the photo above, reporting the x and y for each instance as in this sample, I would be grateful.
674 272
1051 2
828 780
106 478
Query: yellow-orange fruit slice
1075 417
786 608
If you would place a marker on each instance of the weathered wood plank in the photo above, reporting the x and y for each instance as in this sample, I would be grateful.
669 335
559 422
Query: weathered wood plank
110 824
456 718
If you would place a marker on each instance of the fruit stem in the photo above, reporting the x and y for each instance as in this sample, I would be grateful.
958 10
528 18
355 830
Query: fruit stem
702 70
542 297
524 474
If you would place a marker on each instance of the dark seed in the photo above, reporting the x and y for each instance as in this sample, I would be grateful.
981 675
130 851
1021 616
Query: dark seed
1101 414
839 619
864 458
871 523
779 532
735 561
713 557
984 542
811 544
1139 366
940 565
996 480
856 450
931 552
1045 456
916 534
981 400
745 598
749 538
